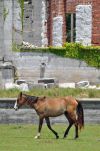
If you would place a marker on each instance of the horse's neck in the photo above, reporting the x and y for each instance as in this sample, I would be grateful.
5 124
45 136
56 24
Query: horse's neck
36 103
31 100
38 106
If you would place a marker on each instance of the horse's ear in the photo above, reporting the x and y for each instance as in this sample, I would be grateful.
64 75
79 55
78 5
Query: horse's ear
20 94
44 97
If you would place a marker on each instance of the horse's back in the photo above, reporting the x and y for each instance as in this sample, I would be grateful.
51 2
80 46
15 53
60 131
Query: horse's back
54 102
63 101
71 100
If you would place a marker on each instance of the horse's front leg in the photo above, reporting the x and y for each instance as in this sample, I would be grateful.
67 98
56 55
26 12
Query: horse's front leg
49 126
39 128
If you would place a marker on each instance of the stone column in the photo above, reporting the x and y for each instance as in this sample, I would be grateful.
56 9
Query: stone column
37 22
17 35
1 41
84 24
96 22
44 23
57 22
1 31
7 27
28 33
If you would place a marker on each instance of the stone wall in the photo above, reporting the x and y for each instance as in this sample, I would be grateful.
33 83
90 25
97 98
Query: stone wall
64 69
25 115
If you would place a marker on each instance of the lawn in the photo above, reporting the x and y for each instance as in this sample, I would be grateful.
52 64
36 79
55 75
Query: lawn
21 138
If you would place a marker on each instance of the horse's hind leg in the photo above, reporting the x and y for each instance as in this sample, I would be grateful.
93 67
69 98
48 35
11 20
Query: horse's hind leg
67 130
39 128
76 130
70 124
72 118
49 126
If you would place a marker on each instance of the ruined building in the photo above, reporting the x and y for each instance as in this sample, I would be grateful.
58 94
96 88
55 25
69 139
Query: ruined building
47 23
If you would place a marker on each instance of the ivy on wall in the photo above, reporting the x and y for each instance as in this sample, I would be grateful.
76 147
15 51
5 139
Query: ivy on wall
21 2
89 54
5 13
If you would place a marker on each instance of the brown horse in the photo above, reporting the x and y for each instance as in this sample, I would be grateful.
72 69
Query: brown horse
53 107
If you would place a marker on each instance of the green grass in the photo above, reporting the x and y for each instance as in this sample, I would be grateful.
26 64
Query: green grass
21 138
54 92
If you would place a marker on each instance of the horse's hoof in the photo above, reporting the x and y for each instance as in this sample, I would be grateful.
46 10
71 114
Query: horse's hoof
76 138
57 137
64 137
37 137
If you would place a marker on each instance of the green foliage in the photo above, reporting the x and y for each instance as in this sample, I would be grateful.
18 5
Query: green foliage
21 2
15 47
89 54
5 13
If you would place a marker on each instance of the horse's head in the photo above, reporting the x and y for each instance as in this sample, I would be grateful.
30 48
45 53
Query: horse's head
20 101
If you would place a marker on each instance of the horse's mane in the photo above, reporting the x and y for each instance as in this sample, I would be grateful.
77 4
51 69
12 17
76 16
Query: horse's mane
31 99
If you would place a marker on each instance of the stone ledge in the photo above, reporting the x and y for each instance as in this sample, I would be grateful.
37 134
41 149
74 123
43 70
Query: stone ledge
81 99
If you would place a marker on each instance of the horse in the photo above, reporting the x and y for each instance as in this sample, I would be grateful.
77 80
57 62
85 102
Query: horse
47 107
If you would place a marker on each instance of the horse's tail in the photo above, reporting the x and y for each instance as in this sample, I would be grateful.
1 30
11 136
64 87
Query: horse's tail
80 114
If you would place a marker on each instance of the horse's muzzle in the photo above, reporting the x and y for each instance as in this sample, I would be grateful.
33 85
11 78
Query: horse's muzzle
16 107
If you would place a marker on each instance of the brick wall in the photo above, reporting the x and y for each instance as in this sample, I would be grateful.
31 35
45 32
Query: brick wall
96 22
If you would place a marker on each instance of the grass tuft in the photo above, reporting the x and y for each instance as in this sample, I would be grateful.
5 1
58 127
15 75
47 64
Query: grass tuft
54 92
